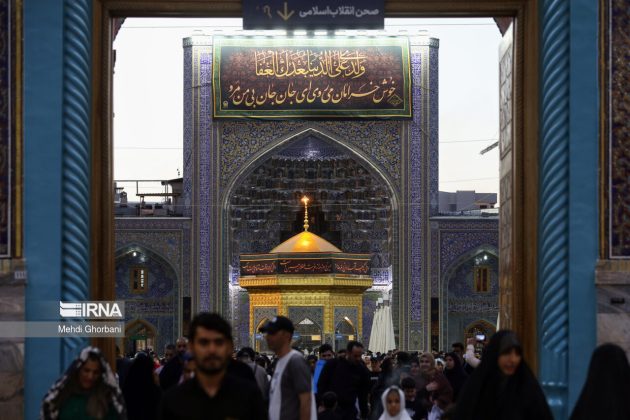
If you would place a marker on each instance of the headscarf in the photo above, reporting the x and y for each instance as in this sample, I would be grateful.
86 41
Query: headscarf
50 405
430 373
402 414
456 376
142 394
443 395
490 395
606 391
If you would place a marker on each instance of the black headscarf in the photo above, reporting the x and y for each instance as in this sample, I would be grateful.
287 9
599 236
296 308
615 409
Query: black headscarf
606 392
456 376
490 395
141 393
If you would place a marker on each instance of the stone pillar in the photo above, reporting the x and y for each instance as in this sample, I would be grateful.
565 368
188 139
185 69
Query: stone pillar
199 153
421 150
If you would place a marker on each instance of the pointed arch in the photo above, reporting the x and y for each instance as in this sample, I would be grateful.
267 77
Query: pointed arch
139 325
225 257
153 254
294 137
448 275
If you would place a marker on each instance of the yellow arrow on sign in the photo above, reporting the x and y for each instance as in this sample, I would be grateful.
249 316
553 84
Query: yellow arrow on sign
286 15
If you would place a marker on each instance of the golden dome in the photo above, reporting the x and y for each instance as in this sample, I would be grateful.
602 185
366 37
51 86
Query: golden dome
305 242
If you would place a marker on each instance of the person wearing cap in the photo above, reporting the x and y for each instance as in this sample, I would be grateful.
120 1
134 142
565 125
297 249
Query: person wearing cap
212 392
290 396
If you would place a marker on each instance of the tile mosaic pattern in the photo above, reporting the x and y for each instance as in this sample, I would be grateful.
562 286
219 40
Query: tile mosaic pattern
314 313
167 242
454 244
220 151
241 140
261 314
159 303
619 136
169 238
6 117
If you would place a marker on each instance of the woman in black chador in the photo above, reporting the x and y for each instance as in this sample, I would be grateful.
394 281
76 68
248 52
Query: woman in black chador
141 391
454 372
606 392
502 387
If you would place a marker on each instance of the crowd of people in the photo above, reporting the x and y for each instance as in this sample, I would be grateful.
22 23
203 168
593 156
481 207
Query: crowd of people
203 377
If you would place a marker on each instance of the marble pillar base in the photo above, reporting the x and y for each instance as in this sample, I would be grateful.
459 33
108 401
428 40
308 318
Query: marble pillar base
613 303
12 285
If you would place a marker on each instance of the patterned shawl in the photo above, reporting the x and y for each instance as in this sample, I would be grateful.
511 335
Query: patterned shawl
50 409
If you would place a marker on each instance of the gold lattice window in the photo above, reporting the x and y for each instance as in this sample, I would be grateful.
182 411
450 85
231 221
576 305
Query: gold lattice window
481 276
139 279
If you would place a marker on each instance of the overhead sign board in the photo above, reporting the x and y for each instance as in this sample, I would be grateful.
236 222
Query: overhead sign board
297 77
313 14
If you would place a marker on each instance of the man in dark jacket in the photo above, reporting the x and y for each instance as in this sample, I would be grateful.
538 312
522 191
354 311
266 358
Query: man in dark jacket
350 379
213 392
172 370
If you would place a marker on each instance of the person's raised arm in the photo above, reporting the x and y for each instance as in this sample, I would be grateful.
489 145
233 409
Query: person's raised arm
305 405
470 357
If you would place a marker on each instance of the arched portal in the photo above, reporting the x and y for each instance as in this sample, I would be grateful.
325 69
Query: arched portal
260 344
470 292
139 335
149 285
307 335
344 333
353 205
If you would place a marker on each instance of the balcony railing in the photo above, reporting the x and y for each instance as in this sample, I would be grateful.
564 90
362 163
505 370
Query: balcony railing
148 198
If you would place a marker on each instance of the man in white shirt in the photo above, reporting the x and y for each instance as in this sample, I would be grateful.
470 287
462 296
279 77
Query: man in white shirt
290 389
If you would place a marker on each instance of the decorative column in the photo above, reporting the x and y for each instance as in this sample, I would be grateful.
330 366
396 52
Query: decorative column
75 242
420 153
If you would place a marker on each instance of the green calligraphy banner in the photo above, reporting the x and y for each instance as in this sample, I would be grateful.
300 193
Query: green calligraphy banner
267 77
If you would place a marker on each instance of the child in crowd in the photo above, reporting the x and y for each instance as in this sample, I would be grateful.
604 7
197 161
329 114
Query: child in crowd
328 407
394 402
413 405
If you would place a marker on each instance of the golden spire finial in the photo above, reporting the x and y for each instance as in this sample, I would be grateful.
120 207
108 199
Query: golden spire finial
305 200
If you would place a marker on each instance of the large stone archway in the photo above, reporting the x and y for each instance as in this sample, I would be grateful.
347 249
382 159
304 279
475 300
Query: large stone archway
355 206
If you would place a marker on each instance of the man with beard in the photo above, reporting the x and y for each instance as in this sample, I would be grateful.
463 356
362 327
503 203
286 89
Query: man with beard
212 393
350 380
172 370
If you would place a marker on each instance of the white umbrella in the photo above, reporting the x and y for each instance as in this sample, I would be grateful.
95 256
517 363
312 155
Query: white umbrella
390 338
375 328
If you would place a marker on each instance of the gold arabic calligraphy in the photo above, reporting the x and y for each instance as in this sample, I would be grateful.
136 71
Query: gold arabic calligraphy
308 63
354 267
258 268
291 77
251 98
305 267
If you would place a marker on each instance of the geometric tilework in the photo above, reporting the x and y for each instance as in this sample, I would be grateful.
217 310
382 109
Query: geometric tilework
217 152
6 117
619 129
164 246
454 244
